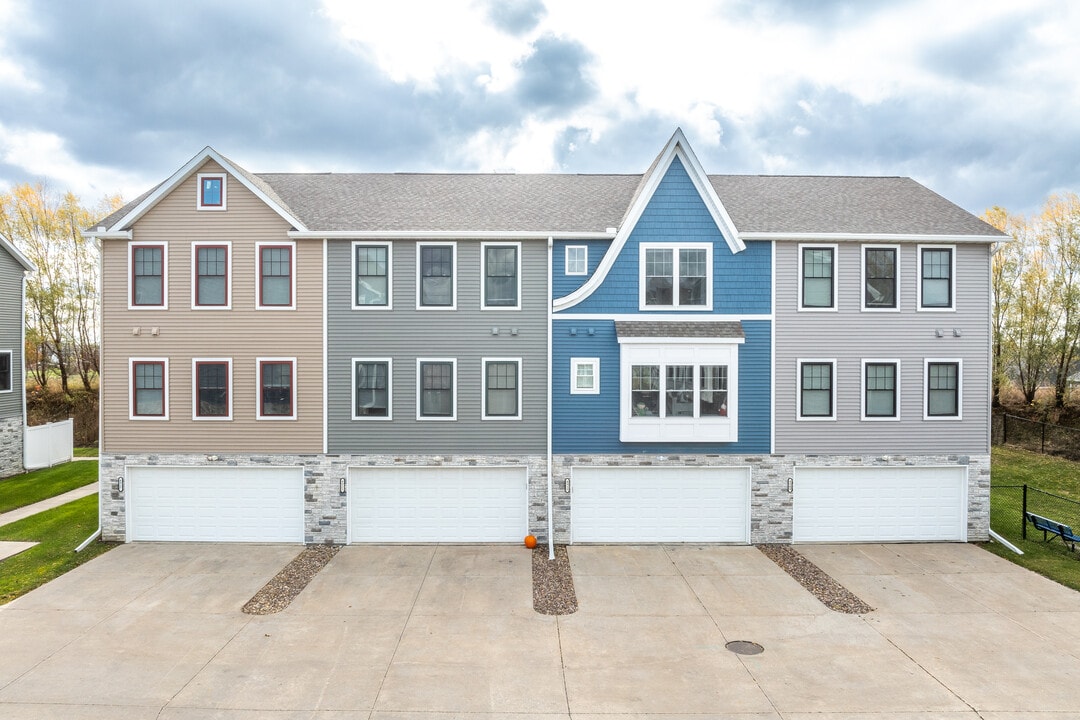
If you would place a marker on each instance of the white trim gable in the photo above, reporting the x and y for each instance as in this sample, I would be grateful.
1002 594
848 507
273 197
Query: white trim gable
677 147
183 174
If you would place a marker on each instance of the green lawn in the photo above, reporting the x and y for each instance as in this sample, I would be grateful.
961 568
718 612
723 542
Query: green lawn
1012 466
59 531
30 487
86 452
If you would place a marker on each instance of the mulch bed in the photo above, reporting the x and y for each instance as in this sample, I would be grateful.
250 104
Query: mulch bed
276 595
553 582
821 585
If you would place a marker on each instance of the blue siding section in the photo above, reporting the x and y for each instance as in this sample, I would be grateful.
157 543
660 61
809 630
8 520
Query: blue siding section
742 283
563 284
590 423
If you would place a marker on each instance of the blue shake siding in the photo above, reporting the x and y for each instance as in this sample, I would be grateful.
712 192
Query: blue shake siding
590 423
563 284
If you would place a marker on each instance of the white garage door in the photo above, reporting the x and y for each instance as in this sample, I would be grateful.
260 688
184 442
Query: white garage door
216 504
880 504
660 504
442 504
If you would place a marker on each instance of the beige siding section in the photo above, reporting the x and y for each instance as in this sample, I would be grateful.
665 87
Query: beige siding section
241 333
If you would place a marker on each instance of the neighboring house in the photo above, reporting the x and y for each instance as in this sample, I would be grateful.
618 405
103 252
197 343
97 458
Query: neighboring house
14 267
662 357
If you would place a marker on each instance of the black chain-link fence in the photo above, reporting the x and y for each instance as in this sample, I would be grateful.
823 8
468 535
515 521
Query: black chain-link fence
1008 503
1040 437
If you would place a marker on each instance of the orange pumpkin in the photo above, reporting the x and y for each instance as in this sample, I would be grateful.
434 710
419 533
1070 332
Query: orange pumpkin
530 541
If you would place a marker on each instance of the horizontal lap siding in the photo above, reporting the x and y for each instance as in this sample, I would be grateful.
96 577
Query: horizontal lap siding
11 327
405 334
241 333
850 335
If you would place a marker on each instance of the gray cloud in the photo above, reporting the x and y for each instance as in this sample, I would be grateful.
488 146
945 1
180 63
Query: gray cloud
553 76
515 17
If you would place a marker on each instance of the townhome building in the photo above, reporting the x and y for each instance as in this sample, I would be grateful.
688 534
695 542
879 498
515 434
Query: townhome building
665 357
14 268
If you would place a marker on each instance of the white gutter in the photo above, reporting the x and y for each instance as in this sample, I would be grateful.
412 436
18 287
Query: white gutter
445 235
550 464
102 234
871 237
101 412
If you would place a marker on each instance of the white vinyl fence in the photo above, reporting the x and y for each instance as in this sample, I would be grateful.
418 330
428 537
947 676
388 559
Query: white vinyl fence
49 444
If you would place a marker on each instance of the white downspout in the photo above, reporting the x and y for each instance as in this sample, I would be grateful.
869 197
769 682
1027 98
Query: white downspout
550 464
101 413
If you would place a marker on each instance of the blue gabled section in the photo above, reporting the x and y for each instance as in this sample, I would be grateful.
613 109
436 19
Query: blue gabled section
677 213
563 284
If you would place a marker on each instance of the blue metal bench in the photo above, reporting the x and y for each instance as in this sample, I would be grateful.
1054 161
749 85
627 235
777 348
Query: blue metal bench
1054 527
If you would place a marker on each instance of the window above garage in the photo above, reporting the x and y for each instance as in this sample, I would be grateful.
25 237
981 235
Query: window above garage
679 381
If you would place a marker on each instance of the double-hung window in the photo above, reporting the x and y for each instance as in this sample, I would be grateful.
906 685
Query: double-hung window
436 397
212 389
149 265
149 389
576 260
817 277
943 389
5 371
936 281
676 277
817 390
373 275
277 388
211 192
502 277
879 277
372 388
210 276
881 379
502 388
276 276
584 376
436 286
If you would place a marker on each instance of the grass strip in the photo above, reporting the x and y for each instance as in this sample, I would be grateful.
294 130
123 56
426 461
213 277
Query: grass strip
28 488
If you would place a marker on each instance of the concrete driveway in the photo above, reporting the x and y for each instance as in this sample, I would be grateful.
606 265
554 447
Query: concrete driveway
448 633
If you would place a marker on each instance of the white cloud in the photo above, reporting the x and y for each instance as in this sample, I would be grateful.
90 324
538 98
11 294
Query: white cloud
43 156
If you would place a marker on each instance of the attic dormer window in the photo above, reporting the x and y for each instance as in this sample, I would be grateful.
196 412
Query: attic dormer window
211 192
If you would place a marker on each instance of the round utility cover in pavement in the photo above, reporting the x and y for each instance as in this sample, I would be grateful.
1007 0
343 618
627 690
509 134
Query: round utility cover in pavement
744 647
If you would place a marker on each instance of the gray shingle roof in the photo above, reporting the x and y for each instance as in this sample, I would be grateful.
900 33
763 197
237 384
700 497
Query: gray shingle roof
659 329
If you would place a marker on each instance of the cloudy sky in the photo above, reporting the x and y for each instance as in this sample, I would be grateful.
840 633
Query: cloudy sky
978 99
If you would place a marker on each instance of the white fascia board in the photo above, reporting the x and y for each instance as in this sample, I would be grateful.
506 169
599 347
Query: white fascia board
656 340
108 235
667 317
16 253
872 237
208 153
445 235
677 146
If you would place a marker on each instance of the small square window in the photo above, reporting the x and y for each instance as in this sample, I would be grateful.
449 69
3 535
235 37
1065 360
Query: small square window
211 192
577 260
585 376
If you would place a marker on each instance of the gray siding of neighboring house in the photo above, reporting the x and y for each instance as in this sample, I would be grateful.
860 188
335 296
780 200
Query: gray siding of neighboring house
851 335
11 329
406 334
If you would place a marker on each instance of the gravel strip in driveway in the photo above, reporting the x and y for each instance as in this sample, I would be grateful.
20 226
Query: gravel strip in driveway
276 595
553 582
820 584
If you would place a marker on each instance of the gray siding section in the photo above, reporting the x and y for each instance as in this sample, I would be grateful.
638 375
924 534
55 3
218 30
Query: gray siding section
406 333
11 327
851 335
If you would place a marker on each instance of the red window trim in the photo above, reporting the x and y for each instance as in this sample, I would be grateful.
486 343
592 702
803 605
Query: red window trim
292 387
135 401
292 272
228 390
131 261
199 247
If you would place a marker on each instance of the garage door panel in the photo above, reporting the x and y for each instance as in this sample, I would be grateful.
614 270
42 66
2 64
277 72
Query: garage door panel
845 504
632 504
438 504
195 504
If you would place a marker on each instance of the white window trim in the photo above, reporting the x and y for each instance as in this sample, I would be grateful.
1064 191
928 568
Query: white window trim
453 276
389 274
574 364
483 389
959 390
164 245
896 278
224 195
799 389
566 259
896 390
675 248
195 389
919 278
483 275
164 388
258 388
664 353
11 370
453 389
389 389
227 244
835 275
292 274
